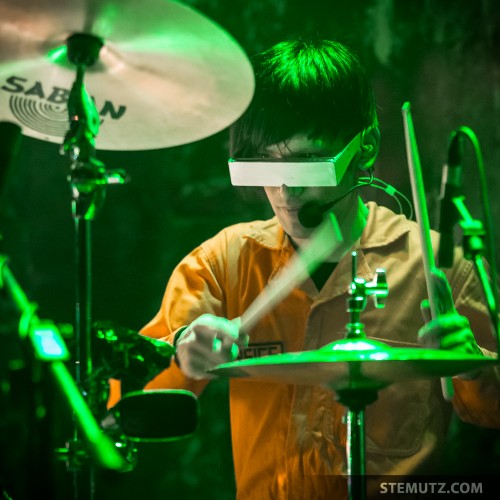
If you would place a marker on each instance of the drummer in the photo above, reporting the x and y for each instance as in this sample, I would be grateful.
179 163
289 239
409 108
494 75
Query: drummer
312 100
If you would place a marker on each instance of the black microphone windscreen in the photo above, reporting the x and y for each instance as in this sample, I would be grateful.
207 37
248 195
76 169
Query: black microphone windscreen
311 215
456 150
451 187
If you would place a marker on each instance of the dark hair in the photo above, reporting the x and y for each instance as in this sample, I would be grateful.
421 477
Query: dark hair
316 87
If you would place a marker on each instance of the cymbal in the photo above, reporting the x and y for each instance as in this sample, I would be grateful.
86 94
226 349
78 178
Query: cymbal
166 75
360 364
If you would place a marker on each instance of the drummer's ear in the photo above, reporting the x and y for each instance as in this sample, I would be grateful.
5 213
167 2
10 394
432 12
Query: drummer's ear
370 141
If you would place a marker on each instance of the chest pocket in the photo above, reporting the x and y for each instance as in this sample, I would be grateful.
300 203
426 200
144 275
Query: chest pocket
396 422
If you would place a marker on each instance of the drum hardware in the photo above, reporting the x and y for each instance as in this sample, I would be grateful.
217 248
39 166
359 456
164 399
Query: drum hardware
356 399
160 76
474 250
135 417
49 347
166 74
88 179
474 233
122 354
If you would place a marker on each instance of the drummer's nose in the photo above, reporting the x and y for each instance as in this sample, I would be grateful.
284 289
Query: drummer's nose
287 192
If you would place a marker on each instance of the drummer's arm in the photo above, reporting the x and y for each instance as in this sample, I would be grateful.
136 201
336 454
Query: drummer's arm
476 395
467 329
193 290
477 399
170 378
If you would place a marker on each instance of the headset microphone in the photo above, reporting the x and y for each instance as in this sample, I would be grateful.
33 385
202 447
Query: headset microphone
311 214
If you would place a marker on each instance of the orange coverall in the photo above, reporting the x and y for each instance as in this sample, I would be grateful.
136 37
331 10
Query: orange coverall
289 441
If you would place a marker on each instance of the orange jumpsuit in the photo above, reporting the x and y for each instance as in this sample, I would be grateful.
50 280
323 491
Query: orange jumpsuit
289 441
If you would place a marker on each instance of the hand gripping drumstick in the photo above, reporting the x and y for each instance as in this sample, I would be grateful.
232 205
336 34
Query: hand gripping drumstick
301 265
432 273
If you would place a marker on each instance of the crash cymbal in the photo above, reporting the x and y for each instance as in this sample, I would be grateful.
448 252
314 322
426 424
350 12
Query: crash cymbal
166 75
346 364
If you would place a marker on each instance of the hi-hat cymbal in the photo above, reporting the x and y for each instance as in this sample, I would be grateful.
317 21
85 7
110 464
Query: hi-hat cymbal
166 75
344 364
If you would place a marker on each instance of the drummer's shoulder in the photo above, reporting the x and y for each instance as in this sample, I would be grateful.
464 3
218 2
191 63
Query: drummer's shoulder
267 233
396 225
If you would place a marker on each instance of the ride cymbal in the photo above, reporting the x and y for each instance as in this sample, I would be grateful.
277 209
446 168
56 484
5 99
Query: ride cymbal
362 364
166 75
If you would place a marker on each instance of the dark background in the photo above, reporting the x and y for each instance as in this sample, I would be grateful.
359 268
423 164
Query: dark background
443 57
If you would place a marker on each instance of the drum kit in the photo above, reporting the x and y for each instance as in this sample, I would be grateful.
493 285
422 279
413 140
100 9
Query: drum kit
154 76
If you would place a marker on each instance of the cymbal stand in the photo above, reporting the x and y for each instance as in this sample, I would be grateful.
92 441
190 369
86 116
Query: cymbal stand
88 180
474 250
49 348
356 397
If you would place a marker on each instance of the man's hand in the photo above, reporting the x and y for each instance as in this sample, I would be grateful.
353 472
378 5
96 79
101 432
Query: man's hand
207 342
452 332
448 331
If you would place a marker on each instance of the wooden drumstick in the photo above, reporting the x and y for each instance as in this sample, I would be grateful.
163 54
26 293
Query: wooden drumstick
301 265
418 191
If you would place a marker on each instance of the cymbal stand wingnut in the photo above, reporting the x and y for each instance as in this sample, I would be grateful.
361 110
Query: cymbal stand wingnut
359 291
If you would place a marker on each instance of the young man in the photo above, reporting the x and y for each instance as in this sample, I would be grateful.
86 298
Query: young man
313 100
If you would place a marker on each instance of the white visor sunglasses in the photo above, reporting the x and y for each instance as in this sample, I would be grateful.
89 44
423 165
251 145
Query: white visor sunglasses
294 171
